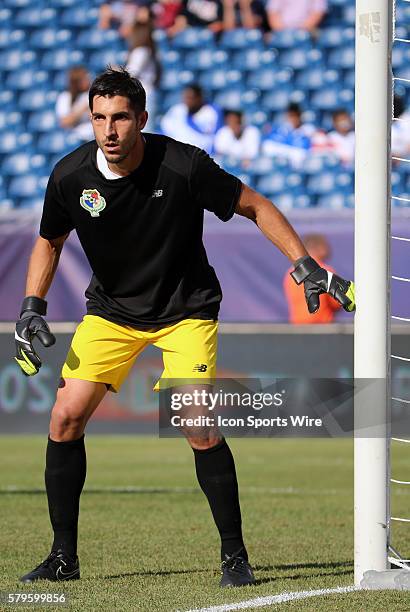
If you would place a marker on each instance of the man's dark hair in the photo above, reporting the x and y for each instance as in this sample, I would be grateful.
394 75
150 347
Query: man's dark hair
118 82
294 107
197 89
340 111
233 111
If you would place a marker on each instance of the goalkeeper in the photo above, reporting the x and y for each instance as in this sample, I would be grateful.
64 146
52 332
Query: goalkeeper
136 201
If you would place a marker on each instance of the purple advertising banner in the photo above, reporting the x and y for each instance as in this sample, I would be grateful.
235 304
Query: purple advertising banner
250 268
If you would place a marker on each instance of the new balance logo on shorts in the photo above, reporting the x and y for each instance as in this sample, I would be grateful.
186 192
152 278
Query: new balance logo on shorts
200 367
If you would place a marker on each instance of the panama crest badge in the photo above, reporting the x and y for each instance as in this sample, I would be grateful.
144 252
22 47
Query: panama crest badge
93 202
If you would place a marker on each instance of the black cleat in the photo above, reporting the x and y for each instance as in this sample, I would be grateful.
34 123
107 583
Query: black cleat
57 567
236 571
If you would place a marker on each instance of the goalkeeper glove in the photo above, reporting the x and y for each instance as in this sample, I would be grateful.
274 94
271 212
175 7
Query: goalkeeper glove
317 280
31 324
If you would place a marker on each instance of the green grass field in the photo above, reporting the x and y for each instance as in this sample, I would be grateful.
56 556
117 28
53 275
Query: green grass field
155 547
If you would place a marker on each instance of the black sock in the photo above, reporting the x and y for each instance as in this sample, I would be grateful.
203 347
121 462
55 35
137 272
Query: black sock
65 475
215 469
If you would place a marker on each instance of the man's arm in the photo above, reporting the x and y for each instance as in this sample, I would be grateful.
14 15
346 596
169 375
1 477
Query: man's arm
43 264
271 222
277 229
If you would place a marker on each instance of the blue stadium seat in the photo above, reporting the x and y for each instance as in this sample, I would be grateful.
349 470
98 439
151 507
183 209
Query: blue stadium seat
274 183
297 59
26 78
321 184
35 17
263 79
170 58
176 79
193 38
23 163
317 77
11 38
14 59
42 121
229 98
342 58
100 59
241 39
262 166
13 141
16 4
57 141
276 101
61 59
79 17
206 59
10 119
329 99
24 187
50 38
402 14
335 200
349 14
5 16
99 39
169 99
257 117
39 99
161 39
218 79
252 59
290 39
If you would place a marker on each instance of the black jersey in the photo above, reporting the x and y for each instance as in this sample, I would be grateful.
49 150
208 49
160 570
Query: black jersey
142 233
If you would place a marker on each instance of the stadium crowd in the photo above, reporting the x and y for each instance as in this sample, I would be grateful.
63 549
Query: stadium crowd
265 86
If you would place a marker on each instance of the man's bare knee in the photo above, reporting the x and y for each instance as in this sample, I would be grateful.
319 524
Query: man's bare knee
203 443
67 423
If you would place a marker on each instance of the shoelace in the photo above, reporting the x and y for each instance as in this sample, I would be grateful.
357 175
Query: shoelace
51 557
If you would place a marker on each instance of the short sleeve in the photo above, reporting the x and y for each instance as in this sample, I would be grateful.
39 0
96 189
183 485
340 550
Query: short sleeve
214 189
55 220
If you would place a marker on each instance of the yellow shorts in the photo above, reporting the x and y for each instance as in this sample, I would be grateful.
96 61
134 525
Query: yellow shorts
102 351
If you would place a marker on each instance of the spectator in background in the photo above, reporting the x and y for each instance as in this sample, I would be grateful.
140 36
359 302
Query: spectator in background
319 249
342 139
124 13
290 138
165 13
143 64
244 14
295 14
236 140
193 121
400 130
199 13
72 109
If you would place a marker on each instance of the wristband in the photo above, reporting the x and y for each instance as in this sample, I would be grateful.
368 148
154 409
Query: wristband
34 303
303 268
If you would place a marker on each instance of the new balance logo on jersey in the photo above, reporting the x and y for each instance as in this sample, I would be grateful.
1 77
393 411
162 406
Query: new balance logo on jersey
200 367
158 193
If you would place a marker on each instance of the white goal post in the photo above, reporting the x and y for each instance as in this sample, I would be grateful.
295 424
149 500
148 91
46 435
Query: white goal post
373 111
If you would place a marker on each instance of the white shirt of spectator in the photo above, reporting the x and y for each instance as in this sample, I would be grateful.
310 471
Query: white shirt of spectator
83 130
343 146
245 147
294 13
142 66
176 124
400 136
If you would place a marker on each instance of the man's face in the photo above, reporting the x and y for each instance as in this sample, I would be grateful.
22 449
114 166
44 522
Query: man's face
294 119
234 121
192 100
116 126
342 123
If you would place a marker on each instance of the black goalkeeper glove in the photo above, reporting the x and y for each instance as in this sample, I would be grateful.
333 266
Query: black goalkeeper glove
31 324
317 280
